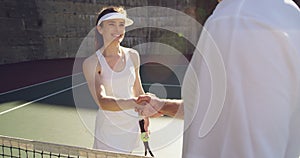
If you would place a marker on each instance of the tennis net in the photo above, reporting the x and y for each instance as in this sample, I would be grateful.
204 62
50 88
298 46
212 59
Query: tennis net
23 148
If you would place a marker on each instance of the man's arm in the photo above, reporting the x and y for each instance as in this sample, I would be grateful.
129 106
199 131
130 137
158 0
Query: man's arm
173 108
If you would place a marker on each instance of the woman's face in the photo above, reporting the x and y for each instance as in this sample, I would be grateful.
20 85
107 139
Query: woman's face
112 30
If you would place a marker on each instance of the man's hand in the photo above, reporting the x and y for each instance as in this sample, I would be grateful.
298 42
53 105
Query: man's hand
152 105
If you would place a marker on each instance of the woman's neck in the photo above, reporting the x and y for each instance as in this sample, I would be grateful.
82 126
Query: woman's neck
111 50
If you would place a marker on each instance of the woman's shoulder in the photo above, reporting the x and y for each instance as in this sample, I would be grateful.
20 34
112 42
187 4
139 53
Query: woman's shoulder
131 51
90 62
133 54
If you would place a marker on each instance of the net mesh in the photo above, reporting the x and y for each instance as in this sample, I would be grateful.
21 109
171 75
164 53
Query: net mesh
22 148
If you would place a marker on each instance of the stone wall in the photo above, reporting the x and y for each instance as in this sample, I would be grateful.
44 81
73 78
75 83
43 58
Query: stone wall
20 26
47 29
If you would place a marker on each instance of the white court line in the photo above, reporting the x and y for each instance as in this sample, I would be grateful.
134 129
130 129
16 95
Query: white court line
47 96
14 90
167 85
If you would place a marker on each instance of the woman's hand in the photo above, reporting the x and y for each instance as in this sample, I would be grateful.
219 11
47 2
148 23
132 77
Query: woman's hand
151 105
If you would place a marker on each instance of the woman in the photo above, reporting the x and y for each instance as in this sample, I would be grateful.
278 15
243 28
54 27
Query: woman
112 74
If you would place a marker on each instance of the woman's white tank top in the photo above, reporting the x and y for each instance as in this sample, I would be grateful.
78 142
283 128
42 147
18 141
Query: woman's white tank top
118 131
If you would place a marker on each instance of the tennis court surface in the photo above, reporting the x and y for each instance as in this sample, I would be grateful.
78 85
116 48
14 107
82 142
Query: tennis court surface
36 104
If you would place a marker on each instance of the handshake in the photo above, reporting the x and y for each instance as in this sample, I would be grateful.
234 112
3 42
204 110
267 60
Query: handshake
149 105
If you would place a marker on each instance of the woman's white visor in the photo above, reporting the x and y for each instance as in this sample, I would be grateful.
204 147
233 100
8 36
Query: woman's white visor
111 16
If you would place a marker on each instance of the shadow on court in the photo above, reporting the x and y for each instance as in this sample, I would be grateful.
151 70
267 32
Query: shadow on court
51 115
18 75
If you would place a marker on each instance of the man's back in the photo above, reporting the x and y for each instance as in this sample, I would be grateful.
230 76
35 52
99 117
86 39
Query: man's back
258 42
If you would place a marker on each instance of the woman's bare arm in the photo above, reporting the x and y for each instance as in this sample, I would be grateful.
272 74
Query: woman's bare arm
92 71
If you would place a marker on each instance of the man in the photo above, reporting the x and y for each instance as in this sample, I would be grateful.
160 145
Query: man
242 89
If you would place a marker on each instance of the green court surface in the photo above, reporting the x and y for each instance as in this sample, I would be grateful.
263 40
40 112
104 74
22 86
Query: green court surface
47 112
44 112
